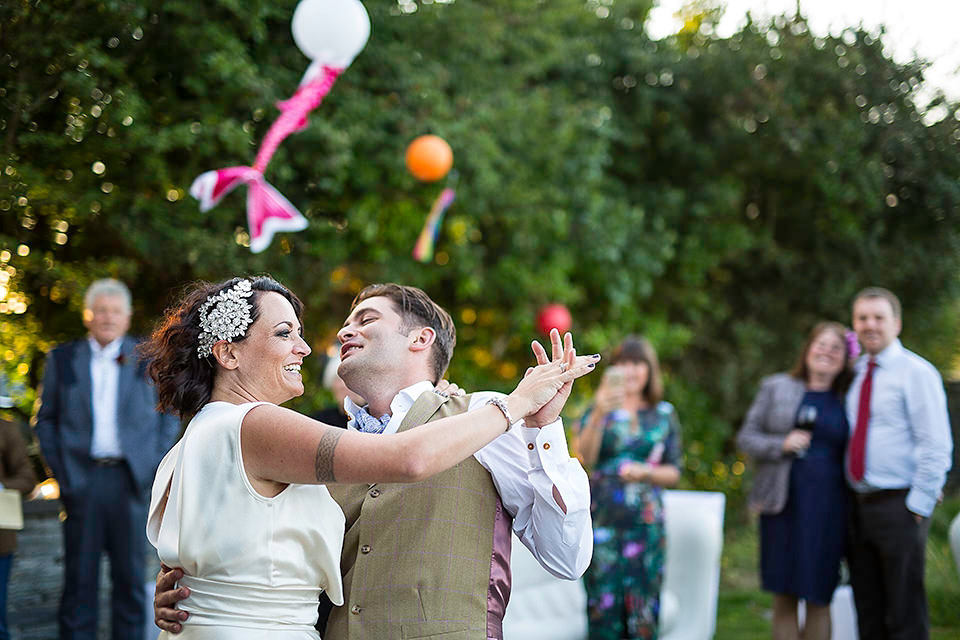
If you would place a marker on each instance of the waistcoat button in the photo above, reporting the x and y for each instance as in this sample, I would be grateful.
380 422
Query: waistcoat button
374 493
365 548
355 609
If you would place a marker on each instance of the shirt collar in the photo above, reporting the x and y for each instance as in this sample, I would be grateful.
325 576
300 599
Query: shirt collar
884 358
400 404
110 351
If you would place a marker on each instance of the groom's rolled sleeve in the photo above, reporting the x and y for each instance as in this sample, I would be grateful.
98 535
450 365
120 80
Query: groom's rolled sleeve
531 469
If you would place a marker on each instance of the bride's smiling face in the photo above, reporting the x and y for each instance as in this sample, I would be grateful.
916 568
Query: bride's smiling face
269 358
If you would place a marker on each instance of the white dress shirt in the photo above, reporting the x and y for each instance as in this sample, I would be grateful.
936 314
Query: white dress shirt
104 380
909 444
525 477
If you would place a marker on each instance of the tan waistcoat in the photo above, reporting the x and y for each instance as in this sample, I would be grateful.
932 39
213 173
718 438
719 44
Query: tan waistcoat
417 558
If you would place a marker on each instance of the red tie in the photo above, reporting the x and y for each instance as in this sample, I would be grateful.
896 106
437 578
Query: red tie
859 443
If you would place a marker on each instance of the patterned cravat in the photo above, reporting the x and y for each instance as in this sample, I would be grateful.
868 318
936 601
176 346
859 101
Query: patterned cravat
858 443
368 424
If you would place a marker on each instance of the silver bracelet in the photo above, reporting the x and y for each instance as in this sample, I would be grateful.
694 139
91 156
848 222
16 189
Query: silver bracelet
500 404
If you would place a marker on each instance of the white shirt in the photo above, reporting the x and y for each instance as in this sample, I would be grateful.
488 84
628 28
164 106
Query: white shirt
908 436
525 477
104 380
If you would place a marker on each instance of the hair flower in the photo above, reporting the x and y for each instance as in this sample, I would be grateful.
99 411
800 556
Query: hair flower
853 346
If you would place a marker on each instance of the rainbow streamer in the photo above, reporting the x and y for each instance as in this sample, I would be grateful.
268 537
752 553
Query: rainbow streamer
423 249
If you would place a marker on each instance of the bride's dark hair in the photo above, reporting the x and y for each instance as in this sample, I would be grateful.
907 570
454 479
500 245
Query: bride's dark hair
184 382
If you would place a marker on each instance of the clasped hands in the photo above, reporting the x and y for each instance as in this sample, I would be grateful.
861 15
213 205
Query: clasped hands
632 471
566 355
570 367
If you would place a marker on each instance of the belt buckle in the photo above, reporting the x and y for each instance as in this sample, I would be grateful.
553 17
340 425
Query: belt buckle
107 462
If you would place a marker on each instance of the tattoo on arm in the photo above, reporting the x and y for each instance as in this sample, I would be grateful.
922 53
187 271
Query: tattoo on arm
323 463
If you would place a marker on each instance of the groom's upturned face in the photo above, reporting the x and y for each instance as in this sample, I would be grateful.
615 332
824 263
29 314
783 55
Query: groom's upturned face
373 344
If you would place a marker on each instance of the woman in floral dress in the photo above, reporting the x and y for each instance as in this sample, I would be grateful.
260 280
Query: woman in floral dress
630 438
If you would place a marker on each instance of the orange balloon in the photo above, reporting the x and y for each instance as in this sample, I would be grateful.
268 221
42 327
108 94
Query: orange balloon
429 158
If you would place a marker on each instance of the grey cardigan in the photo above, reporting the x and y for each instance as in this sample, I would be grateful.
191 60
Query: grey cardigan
770 418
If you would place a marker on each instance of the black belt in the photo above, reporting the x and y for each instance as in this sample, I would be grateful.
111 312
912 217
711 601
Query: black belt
107 462
880 494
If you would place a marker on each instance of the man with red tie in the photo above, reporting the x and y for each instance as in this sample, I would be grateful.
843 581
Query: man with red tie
897 460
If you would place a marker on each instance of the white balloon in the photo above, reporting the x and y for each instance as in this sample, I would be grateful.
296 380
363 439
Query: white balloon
331 32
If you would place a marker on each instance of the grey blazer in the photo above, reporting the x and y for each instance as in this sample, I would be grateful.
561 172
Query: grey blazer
65 419
770 418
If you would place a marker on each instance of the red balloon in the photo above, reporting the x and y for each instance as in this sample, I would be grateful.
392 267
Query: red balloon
429 158
554 316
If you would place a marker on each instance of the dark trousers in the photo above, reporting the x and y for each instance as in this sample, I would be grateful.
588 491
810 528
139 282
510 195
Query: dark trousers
6 562
110 516
886 558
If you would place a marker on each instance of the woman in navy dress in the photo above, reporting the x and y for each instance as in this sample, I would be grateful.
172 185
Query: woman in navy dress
796 433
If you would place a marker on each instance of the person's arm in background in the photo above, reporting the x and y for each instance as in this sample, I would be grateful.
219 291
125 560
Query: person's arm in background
930 426
167 424
20 474
756 440
169 427
589 436
663 467
48 418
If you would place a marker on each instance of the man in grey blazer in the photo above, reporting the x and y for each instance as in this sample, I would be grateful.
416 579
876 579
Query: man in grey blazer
102 439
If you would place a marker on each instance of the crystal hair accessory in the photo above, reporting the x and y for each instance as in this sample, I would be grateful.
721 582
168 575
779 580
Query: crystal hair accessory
224 316
853 347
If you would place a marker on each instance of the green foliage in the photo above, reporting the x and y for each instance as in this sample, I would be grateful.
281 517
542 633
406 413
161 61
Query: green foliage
719 195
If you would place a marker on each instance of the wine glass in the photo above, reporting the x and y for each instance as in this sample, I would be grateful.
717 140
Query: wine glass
806 420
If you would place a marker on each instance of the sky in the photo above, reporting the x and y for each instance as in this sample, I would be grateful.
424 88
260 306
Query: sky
930 28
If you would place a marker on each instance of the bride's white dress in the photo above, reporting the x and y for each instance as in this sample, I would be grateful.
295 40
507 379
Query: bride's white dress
255 566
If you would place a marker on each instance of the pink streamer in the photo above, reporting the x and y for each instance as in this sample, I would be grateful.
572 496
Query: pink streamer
293 116
267 210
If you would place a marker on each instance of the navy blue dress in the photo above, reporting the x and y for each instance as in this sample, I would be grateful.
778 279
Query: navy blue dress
801 547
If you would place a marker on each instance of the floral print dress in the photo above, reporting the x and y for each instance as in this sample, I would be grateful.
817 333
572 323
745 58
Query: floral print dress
623 580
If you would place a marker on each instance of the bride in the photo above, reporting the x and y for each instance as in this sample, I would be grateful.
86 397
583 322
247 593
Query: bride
239 503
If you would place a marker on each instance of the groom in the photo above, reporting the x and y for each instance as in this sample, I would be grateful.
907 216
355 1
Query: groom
433 558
